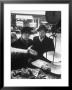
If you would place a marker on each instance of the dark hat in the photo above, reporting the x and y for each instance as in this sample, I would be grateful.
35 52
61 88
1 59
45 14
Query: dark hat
27 30
42 27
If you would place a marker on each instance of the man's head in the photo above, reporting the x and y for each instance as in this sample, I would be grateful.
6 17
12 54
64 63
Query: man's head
42 31
25 32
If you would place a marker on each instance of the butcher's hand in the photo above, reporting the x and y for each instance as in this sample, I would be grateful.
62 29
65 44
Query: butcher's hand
32 52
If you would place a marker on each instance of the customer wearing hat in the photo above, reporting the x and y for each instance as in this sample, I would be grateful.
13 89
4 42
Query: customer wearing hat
19 49
41 44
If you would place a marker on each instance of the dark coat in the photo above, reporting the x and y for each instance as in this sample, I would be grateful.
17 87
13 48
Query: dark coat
20 60
44 46
22 44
